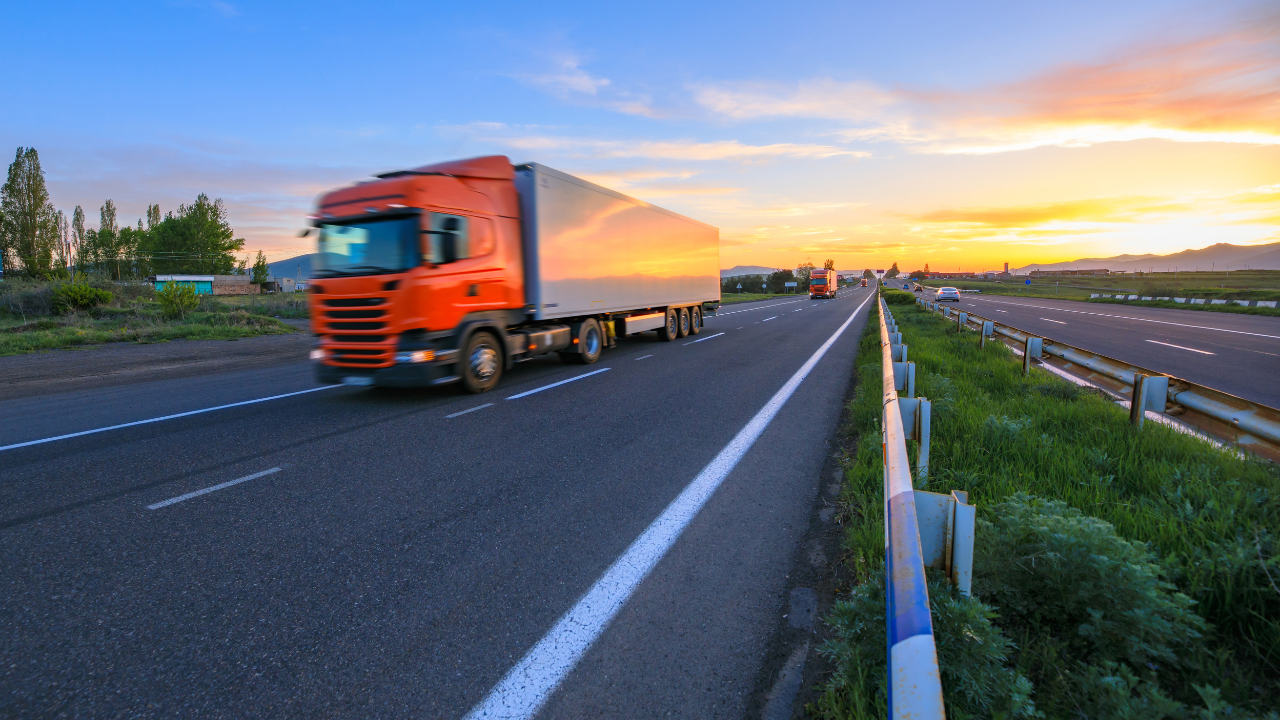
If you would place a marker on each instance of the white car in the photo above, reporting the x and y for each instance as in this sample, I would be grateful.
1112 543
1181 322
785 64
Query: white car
948 293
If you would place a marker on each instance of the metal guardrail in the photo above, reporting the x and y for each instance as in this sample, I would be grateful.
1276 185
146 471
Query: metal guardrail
915 684
1252 426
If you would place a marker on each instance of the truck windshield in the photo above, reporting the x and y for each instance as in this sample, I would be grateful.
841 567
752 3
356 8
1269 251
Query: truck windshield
818 281
368 247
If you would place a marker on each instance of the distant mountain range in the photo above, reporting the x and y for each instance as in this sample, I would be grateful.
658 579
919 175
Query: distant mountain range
739 270
1223 256
294 267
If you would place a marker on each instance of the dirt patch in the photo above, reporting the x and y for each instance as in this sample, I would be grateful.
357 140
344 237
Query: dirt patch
92 366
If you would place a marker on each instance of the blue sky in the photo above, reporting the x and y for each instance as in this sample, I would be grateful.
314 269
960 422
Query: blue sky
871 132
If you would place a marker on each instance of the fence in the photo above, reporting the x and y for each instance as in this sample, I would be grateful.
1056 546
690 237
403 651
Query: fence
1252 426
922 529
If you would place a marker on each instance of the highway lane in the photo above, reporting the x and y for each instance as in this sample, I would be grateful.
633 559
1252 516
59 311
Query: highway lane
1237 354
400 561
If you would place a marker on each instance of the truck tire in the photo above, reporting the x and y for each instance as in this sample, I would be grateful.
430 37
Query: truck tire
667 332
683 328
695 320
481 363
590 345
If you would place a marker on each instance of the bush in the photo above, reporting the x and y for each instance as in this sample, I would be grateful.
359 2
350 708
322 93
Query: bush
177 299
78 296
898 297
973 655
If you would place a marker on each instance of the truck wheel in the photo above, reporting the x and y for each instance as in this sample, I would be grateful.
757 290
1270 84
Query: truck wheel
590 344
481 363
683 328
695 320
667 332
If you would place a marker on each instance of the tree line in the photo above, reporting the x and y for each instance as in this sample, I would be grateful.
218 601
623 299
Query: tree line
776 282
39 241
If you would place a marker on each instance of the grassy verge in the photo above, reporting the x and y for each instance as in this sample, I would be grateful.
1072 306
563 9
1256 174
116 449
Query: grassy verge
1119 573
283 305
730 298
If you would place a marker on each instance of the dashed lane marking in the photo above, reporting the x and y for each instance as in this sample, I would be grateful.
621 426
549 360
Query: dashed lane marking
1053 321
468 410
643 357
705 338
557 384
1202 352
212 488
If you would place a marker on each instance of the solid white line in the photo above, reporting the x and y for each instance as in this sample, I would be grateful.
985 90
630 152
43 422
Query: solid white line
705 338
1126 317
468 410
1053 321
1202 352
531 682
219 486
166 417
647 356
557 384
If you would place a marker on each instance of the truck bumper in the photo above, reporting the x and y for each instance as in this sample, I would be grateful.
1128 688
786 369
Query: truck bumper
398 375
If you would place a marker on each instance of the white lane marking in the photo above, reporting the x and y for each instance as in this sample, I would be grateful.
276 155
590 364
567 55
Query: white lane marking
733 312
557 384
775 317
468 410
649 356
1202 352
1126 317
166 417
524 689
1053 321
210 489
705 338
737 328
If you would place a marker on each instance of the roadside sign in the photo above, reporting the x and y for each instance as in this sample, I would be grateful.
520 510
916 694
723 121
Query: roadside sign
1028 282
739 286
791 284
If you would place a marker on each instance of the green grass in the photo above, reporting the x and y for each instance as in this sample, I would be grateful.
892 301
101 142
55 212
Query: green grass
284 305
730 298
1211 518
127 326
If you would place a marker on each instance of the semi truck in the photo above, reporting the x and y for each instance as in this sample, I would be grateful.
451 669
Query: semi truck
823 284
455 272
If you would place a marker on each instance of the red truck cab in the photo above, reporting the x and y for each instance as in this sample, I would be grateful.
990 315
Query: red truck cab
823 284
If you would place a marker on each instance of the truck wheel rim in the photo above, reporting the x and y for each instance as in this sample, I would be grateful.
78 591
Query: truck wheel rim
484 362
593 342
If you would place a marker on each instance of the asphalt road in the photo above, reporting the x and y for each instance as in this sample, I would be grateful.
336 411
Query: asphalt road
1234 353
395 553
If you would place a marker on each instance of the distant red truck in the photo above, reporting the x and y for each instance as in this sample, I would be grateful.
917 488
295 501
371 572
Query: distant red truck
823 284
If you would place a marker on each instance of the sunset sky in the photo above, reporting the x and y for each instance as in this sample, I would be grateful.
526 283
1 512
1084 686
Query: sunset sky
962 135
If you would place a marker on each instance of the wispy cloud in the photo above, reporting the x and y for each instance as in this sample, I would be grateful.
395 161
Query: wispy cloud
1223 88
569 80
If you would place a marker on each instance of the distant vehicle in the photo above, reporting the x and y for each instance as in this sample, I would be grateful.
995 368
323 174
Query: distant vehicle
948 293
455 272
918 288
906 286
822 284
864 282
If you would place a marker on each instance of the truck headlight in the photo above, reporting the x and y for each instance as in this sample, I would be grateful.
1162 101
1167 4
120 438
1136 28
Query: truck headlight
319 354
418 356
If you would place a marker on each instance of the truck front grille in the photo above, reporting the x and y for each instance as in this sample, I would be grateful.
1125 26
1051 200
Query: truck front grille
357 325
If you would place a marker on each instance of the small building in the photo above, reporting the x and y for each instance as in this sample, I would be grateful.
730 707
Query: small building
203 284
280 285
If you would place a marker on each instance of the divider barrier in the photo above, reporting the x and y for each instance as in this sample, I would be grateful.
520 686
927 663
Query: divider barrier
922 529
1252 426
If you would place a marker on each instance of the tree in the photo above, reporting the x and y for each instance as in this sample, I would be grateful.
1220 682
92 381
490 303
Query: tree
893 271
79 240
868 274
261 271
195 238
926 267
829 265
30 229
778 280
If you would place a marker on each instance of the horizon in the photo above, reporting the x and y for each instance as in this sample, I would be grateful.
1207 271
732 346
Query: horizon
958 137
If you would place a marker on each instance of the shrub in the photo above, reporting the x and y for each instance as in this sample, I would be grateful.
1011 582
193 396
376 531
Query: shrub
973 655
78 296
177 299
898 297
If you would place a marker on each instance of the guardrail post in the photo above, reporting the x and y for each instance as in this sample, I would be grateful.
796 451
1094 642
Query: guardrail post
915 421
1149 393
961 319
899 352
904 378
1032 349
946 535
988 328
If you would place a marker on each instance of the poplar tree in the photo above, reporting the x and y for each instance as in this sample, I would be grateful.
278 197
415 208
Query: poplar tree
78 239
107 237
29 227
261 271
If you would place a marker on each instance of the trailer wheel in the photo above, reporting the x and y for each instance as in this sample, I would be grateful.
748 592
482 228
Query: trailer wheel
695 320
590 345
481 363
667 332
683 328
